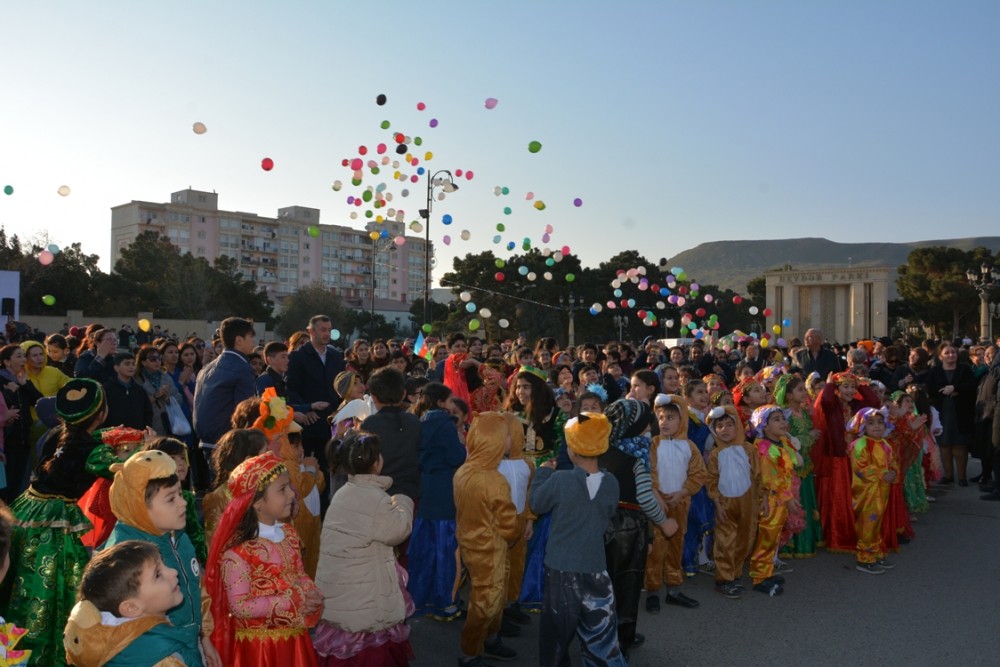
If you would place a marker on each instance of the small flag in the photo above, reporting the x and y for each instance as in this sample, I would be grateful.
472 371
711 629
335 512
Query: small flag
421 347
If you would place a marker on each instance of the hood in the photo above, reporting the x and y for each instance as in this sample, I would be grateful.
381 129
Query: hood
487 440
128 490
91 644
730 410
27 345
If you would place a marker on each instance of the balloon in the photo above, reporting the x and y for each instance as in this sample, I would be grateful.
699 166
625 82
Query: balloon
767 312
500 263
373 235
503 324
446 219
523 270
313 231
144 324
782 342
737 299
399 240
466 234
49 300
499 276
362 150
700 312
529 196
501 227
534 146
337 185
578 202
565 250
547 275
267 164
763 342
335 334
421 106
570 277
491 103
426 328
53 248
485 313
470 307
786 322
446 239
8 189
709 298
63 191
753 310
380 100
465 297
434 122
45 257
199 128
385 125
531 275
776 329
596 307
540 205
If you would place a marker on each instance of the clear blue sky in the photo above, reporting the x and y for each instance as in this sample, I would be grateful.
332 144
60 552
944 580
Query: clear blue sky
675 122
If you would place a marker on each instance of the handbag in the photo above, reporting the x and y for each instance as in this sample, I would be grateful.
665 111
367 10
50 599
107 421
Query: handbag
179 424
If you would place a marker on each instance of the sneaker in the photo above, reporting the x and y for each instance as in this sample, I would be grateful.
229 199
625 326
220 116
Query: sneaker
931 499
652 604
499 651
886 564
870 568
730 589
518 615
782 567
770 587
707 568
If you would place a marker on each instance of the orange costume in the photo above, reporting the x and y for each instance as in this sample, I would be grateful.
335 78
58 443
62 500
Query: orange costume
870 460
486 526
675 464
777 466
259 586
733 471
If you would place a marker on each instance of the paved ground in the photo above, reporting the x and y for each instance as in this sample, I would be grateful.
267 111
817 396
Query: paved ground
939 606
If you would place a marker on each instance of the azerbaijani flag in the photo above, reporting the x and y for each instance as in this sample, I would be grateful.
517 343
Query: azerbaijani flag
421 348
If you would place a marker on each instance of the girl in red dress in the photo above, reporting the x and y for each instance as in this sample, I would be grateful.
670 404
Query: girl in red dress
263 602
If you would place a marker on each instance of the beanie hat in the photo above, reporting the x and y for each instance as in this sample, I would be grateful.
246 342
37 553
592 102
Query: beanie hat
587 435
79 400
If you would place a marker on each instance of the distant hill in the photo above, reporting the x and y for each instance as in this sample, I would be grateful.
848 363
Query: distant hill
730 264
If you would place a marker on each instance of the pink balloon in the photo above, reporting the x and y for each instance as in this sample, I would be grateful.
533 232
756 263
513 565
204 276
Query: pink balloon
491 103
446 240
565 250
529 196
45 257
357 163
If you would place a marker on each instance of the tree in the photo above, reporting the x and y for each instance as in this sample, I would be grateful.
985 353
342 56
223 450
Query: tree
438 313
757 290
935 289
301 305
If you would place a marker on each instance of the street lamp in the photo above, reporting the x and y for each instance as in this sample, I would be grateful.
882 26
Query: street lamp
570 305
446 182
620 321
988 278
379 243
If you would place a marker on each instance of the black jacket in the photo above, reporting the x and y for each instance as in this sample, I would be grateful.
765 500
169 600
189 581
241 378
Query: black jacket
127 405
399 433
308 380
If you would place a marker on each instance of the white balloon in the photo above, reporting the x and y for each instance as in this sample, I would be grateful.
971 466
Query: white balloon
503 323
465 296
485 313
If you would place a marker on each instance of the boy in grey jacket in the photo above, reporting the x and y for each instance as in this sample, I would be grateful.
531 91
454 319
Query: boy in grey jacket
578 595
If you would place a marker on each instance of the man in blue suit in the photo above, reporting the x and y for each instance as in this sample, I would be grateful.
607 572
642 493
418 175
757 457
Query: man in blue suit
311 372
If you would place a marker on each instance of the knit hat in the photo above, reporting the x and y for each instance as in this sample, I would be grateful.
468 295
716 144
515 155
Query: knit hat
343 383
629 420
587 435
79 400
128 490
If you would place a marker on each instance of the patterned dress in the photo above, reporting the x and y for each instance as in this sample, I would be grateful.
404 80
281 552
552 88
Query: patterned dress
266 588
804 543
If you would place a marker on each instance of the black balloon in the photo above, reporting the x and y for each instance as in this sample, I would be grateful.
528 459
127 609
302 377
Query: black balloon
402 149
380 100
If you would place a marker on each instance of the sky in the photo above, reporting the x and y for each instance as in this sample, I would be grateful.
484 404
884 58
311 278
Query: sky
675 123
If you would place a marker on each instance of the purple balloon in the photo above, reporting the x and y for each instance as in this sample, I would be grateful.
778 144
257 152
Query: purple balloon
578 202
446 240
491 103
434 122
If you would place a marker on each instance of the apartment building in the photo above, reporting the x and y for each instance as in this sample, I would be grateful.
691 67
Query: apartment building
284 253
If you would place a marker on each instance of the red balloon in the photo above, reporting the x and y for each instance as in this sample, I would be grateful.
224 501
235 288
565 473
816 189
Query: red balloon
356 164
767 312
267 164
624 303
682 289
381 148
499 276
700 312
468 175
345 162
641 314
458 173
737 299
399 137
362 150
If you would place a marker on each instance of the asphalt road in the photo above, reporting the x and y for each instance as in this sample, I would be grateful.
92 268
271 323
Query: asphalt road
939 606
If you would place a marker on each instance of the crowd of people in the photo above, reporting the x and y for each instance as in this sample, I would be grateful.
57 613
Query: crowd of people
215 502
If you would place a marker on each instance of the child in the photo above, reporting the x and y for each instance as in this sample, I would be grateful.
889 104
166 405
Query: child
733 468
120 619
579 598
147 502
749 395
874 469
10 634
486 526
432 557
364 586
177 451
723 398
701 517
233 448
790 393
777 459
906 436
262 598
117 444
678 472
48 555
277 421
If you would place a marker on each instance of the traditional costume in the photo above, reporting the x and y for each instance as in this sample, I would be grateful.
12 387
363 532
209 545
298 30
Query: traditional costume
10 655
486 526
733 484
831 462
777 469
190 620
258 587
47 556
96 503
101 639
675 464
803 542
870 460
907 441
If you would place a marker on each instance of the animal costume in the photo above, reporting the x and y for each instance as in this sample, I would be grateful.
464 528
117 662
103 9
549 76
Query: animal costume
486 526
47 558
258 587
90 642
733 484
519 472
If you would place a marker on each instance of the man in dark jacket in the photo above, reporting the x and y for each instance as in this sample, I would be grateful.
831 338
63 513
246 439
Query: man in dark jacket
128 403
817 358
224 382
311 371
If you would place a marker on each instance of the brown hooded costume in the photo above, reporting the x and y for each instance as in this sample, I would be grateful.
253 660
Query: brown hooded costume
486 526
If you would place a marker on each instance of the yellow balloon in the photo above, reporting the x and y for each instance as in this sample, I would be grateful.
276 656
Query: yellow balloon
144 324
428 155
763 342
776 328
373 236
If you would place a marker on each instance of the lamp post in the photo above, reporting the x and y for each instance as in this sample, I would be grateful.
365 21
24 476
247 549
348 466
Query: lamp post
988 278
620 321
443 179
378 243
570 305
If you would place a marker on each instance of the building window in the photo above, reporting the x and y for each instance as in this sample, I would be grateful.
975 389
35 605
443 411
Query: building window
305 274
201 251
201 234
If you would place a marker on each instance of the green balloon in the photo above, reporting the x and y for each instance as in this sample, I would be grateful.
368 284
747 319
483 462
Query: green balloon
500 227
313 231
367 195
375 170
570 277
49 300
505 190
8 189
550 262
385 125
426 328
417 141
534 146
474 325
500 263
